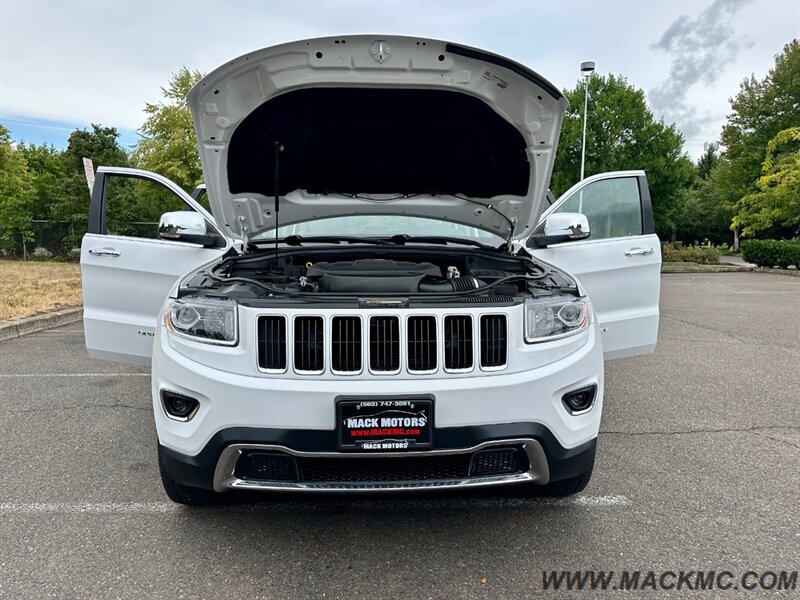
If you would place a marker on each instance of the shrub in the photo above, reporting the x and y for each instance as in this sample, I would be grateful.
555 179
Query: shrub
696 254
772 253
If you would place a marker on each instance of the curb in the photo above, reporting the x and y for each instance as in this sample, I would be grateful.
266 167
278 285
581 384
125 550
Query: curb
771 271
20 327
678 268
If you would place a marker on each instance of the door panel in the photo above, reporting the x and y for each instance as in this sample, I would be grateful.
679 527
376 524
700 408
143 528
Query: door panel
126 278
619 265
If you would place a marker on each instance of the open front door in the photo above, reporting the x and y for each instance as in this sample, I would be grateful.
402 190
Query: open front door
127 269
620 263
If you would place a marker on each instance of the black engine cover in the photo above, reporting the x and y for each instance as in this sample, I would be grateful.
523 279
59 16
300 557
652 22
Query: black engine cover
371 275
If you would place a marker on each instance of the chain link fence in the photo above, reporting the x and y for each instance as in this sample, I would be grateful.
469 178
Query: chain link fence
49 239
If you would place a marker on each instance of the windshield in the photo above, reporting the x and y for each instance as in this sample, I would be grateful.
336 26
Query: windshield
383 226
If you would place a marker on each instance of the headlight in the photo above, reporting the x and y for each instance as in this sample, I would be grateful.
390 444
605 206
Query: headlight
211 320
554 318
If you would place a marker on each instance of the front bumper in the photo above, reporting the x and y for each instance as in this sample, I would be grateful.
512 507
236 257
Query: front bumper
297 417
213 468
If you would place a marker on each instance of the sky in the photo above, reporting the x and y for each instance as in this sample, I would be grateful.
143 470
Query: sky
68 64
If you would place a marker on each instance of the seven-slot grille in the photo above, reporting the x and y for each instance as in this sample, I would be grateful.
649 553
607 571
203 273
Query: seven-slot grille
384 344
342 343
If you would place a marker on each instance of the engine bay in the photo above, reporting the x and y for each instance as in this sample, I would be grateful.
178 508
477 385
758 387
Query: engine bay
411 273
382 275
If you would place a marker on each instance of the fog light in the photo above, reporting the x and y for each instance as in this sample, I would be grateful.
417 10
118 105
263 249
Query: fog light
178 406
580 400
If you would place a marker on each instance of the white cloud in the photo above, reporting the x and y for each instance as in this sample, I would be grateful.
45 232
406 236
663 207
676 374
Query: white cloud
102 61
701 48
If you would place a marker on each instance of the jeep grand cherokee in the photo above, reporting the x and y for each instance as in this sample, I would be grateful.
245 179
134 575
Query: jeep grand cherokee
381 296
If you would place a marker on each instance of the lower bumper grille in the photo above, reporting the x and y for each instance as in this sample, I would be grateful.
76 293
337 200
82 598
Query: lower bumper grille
413 468
498 461
266 466
280 467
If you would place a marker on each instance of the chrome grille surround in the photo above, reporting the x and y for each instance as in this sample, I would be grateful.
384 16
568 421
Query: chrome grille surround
494 341
423 342
273 354
303 328
355 348
458 340
384 345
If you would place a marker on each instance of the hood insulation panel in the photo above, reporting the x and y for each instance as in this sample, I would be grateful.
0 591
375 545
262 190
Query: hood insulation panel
378 141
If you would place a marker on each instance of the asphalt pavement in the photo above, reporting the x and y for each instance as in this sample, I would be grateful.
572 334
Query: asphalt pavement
698 468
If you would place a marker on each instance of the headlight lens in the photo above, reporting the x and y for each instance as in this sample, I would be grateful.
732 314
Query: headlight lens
211 320
554 318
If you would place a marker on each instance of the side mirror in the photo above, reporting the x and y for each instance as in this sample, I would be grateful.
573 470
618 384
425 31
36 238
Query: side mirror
185 226
559 228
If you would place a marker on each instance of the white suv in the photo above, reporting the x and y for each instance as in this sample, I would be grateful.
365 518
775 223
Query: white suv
381 297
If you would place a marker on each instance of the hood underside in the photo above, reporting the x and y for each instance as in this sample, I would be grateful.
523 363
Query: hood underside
378 125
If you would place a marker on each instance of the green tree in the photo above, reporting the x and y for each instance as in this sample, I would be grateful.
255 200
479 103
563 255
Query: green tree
168 144
47 165
708 211
761 110
101 145
708 160
17 194
705 213
622 133
777 199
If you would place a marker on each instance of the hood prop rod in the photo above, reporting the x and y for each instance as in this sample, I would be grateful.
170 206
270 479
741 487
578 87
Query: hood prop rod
278 150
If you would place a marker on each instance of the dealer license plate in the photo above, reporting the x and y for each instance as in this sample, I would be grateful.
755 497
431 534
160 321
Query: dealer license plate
384 425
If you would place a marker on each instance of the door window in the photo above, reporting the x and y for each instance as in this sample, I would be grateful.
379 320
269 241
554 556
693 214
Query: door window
134 206
612 206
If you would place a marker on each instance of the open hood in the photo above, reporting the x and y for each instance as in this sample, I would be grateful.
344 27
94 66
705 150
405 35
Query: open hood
373 124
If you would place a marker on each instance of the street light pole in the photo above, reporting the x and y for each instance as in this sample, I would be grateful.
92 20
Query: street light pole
587 68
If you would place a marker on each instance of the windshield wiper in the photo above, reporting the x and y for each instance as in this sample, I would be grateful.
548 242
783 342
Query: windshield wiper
402 238
299 240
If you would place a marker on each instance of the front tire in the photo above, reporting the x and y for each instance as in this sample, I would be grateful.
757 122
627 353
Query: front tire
182 494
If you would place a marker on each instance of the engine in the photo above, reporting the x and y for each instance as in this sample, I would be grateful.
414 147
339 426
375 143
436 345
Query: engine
341 274
385 276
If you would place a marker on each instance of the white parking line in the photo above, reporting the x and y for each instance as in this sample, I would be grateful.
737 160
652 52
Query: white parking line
36 508
600 500
307 504
33 375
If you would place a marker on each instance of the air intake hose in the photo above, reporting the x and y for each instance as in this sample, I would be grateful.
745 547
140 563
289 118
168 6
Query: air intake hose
457 284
